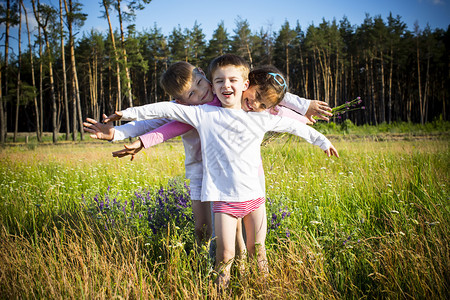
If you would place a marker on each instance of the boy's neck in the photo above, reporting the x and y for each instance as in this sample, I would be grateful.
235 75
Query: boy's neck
234 106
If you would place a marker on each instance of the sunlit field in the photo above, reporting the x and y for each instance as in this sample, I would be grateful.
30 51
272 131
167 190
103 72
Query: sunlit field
77 223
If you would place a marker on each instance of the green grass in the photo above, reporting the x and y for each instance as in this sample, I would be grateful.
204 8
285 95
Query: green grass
372 224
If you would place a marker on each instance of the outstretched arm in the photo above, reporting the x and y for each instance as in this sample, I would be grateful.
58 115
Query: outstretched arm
106 131
280 124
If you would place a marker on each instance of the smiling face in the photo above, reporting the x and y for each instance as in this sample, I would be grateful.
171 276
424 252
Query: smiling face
228 85
199 92
253 100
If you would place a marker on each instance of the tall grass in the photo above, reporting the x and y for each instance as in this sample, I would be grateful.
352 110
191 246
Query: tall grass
372 224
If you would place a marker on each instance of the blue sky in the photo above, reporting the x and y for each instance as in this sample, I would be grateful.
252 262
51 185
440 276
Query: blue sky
168 14
272 14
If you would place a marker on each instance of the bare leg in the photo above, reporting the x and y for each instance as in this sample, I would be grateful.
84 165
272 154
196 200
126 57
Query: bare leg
225 228
241 249
256 229
202 218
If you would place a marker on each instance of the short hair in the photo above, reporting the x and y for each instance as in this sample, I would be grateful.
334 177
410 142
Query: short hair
177 78
229 60
271 83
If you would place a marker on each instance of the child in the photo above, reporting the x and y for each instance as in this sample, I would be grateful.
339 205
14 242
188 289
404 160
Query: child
189 86
231 141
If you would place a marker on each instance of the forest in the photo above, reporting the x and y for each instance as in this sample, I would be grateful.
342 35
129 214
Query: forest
61 72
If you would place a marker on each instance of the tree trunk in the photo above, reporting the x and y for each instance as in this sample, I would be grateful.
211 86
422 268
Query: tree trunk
3 119
102 94
50 73
156 83
124 53
367 88
63 57
250 58
41 75
75 88
316 77
372 93
41 83
382 101
287 63
304 79
118 105
325 71
145 88
336 78
16 125
427 84
391 67
52 89
91 89
95 75
36 108
419 83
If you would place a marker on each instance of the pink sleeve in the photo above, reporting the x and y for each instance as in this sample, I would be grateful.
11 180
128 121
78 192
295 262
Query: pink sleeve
164 133
286 112
169 130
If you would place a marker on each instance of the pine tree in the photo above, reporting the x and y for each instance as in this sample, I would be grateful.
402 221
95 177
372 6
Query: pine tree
219 44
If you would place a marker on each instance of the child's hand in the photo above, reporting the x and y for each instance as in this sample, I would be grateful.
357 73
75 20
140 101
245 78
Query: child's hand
132 150
318 109
99 130
331 151
116 116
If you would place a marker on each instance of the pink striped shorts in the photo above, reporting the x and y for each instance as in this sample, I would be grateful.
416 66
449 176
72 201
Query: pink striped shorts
238 209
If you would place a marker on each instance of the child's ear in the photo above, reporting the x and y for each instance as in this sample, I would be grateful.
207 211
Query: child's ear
178 101
201 71
246 85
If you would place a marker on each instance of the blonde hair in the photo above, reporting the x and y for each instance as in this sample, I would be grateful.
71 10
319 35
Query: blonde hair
229 60
272 88
177 79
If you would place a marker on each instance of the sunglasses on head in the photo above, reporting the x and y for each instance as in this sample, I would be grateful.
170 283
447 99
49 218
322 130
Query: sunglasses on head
282 83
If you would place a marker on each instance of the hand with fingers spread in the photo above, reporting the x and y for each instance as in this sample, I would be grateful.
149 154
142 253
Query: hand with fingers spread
99 130
131 149
318 109
116 116
331 151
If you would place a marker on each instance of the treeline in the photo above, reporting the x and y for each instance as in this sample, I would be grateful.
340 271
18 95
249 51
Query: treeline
64 75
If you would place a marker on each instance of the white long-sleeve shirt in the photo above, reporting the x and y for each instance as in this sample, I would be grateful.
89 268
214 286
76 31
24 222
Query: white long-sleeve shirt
231 142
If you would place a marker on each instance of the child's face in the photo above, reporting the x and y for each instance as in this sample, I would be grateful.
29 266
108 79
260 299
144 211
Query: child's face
252 100
228 85
200 91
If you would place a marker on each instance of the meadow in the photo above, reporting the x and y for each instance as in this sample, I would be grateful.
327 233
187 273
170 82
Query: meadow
374 223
